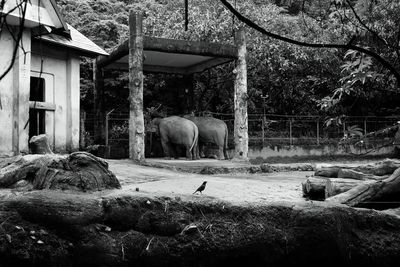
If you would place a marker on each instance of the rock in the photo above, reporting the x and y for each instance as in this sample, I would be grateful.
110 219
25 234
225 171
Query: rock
265 167
254 169
39 145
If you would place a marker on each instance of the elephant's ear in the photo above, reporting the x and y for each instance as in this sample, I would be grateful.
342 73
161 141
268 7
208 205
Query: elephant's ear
156 121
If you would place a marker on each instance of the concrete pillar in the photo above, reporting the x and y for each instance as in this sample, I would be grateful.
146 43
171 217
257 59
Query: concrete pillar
21 92
241 137
73 103
136 118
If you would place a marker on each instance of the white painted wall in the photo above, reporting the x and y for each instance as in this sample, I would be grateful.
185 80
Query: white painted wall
14 93
6 95
62 125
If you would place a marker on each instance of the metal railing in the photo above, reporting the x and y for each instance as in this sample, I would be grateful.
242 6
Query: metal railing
265 129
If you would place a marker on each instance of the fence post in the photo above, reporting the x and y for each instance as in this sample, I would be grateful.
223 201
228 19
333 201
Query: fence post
318 132
290 132
263 134
365 126
344 128
106 128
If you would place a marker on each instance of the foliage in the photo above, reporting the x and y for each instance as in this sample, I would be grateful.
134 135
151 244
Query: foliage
298 80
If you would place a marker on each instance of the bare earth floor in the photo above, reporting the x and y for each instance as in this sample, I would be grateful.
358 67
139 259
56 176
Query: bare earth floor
237 188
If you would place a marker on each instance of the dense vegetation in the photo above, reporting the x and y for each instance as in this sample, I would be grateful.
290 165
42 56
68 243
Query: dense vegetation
298 80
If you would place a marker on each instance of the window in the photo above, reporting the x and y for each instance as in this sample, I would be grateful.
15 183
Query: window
37 117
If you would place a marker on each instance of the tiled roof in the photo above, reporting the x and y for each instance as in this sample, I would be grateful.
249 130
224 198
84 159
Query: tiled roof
77 41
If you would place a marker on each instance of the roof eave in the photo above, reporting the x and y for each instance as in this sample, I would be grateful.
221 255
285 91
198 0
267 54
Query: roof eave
64 29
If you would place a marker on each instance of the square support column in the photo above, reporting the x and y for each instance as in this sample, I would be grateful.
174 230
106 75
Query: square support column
99 110
136 118
21 93
241 137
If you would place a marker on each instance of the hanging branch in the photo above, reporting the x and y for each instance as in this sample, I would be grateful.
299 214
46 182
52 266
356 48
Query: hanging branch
186 14
348 46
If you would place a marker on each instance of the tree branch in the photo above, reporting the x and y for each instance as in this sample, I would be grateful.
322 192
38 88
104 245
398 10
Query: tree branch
365 26
258 28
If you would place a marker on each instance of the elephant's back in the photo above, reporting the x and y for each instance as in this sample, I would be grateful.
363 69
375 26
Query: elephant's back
179 130
211 124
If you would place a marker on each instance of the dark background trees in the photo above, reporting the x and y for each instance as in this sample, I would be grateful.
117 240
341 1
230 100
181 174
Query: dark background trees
299 80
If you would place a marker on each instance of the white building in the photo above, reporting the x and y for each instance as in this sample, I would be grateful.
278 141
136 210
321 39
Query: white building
41 92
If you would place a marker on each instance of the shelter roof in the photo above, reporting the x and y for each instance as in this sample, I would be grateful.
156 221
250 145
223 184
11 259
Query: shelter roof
163 55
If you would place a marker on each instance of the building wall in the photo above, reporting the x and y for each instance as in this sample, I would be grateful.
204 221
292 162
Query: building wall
6 96
14 93
60 69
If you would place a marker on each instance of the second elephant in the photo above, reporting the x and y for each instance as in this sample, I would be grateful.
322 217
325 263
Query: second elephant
212 130
176 131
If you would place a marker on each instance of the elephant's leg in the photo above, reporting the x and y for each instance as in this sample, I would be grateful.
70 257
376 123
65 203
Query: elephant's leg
188 152
166 147
175 151
221 152
195 151
201 152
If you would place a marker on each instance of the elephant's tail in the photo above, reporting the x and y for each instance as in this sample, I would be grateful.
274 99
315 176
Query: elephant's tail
195 139
226 143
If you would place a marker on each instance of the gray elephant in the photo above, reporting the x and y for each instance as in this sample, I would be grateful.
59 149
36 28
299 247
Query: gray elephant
176 131
212 130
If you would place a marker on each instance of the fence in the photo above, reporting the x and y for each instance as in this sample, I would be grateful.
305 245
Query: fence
266 129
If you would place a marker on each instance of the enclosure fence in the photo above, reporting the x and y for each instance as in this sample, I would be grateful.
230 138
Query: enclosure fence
265 129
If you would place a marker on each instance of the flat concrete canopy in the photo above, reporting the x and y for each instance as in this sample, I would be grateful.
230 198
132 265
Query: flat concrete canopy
163 55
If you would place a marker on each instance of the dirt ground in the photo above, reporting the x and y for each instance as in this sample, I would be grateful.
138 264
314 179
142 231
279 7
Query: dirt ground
257 188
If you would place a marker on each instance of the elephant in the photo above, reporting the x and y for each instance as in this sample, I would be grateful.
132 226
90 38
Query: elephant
212 130
177 131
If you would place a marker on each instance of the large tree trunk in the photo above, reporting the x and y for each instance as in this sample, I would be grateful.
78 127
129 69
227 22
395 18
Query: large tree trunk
384 193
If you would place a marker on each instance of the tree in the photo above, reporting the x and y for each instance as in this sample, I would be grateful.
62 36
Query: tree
360 31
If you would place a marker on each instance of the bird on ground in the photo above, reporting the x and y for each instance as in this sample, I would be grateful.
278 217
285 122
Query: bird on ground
201 187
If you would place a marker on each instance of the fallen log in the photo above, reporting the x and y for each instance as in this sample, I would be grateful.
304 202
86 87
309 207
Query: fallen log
384 167
352 174
339 185
328 171
320 188
314 188
384 192
368 171
78 171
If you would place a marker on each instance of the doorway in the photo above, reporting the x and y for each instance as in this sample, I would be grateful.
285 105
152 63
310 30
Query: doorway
37 117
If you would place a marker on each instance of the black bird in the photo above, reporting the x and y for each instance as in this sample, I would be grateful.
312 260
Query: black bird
201 187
